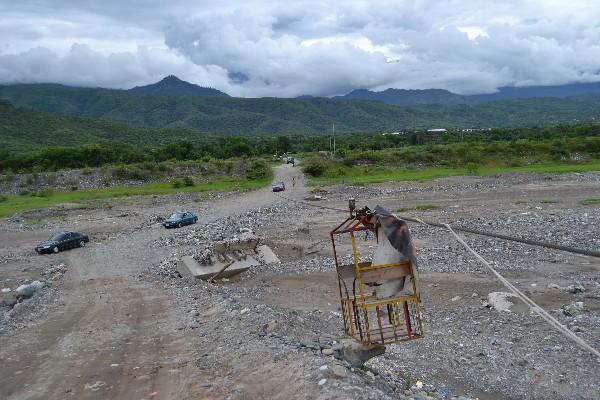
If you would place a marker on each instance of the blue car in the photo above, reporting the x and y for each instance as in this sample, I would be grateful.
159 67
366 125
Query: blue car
179 219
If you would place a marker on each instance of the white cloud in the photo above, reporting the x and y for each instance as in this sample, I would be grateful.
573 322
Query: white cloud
305 47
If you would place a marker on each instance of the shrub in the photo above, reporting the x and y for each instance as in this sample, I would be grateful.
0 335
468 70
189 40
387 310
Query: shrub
258 170
188 181
472 167
314 169
3 198
43 193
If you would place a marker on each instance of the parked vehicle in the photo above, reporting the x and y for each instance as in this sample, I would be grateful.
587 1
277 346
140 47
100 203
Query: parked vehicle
278 186
179 219
62 241
290 160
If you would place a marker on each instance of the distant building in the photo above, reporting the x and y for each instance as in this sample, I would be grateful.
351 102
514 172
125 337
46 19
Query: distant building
437 130
390 133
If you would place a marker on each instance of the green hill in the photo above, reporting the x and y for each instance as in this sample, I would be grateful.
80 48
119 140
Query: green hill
25 129
256 116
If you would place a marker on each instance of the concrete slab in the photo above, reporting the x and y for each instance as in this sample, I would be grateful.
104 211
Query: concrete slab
266 254
187 266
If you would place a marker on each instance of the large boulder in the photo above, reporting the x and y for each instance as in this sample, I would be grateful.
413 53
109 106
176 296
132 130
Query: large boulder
357 354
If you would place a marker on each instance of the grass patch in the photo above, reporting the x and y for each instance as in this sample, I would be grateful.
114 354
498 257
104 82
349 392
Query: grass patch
420 207
591 201
549 201
84 198
35 221
360 175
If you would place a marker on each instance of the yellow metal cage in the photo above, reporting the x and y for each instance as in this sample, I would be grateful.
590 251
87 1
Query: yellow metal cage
366 318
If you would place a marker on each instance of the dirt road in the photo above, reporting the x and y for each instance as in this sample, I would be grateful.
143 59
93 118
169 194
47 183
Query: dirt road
114 336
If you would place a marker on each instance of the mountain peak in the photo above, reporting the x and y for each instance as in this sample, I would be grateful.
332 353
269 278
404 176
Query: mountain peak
172 79
173 86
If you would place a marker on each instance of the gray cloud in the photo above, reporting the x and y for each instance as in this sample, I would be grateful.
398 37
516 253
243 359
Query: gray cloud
305 47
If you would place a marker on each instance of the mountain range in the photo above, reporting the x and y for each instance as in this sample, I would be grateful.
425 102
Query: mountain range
403 97
174 104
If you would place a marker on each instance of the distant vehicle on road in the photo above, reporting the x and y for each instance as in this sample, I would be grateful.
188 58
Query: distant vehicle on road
179 219
290 160
62 241
278 186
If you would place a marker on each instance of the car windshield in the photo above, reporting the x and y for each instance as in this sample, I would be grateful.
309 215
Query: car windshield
176 216
58 236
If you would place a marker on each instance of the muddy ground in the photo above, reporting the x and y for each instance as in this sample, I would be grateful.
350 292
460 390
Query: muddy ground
116 321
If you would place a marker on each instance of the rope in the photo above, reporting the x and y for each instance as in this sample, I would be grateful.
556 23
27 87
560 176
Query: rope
532 305
530 242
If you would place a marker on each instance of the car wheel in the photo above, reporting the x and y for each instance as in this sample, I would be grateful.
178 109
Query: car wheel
55 249
179 225
82 244
195 219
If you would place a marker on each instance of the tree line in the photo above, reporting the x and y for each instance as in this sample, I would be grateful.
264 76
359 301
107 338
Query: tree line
225 147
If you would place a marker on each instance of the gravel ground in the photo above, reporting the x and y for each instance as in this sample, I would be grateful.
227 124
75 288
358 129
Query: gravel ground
268 332
469 347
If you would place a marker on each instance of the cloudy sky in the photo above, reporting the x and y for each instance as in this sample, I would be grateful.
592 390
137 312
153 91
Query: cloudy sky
289 48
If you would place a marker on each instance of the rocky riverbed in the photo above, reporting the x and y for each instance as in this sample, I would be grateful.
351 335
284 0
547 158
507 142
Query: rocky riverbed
274 331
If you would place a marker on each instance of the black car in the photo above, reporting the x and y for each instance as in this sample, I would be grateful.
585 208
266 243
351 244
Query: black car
179 219
278 186
62 241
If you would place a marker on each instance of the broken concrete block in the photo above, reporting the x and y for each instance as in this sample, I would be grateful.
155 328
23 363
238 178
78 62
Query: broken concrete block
7 300
499 301
188 266
266 255
30 289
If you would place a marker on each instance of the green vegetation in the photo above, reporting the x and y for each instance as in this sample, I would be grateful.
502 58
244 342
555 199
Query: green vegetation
430 161
186 181
83 198
591 201
377 175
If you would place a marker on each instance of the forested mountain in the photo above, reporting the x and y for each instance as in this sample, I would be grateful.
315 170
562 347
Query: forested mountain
24 129
403 97
173 86
528 92
254 116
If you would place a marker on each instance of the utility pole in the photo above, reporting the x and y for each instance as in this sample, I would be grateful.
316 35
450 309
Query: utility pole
333 130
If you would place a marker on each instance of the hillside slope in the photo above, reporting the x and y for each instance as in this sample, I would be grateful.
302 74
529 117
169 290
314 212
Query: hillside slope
255 116
24 129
